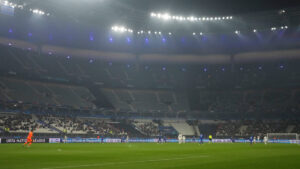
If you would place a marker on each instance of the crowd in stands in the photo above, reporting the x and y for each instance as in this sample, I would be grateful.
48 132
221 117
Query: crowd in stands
227 129
20 122
74 125
65 124
103 128
149 128
245 128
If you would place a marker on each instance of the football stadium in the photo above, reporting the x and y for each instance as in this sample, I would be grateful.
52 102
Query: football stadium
147 84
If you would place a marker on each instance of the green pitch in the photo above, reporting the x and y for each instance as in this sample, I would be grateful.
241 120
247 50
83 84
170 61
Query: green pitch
150 156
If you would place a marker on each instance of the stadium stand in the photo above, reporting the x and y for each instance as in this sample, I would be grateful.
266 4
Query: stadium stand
22 123
146 100
45 93
147 127
49 124
181 126
76 88
246 128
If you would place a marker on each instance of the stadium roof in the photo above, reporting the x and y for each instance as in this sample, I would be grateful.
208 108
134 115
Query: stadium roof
135 13
87 24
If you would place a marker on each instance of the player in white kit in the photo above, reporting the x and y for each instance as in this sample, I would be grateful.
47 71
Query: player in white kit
266 140
180 138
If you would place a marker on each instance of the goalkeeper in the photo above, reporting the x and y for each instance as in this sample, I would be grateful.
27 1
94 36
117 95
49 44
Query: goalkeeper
29 139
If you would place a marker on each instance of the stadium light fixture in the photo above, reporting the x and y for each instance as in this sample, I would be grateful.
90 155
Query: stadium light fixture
170 33
121 29
167 16
12 5
39 12
254 30
281 12
273 29
237 32
284 27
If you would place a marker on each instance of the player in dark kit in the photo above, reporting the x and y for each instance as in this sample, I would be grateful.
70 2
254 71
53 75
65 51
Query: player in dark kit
159 139
201 139
102 139
165 139
251 140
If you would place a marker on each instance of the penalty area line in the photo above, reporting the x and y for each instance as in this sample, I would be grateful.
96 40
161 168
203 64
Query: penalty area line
126 162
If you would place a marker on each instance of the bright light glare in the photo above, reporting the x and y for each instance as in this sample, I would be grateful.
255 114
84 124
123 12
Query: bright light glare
39 12
12 5
121 29
167 16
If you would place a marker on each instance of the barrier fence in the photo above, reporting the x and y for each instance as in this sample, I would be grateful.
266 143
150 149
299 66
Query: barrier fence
135 140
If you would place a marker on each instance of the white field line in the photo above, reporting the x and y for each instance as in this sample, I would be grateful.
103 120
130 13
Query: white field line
126 162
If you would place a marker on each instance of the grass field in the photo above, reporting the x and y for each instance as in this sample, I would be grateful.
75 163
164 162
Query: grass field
150 156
